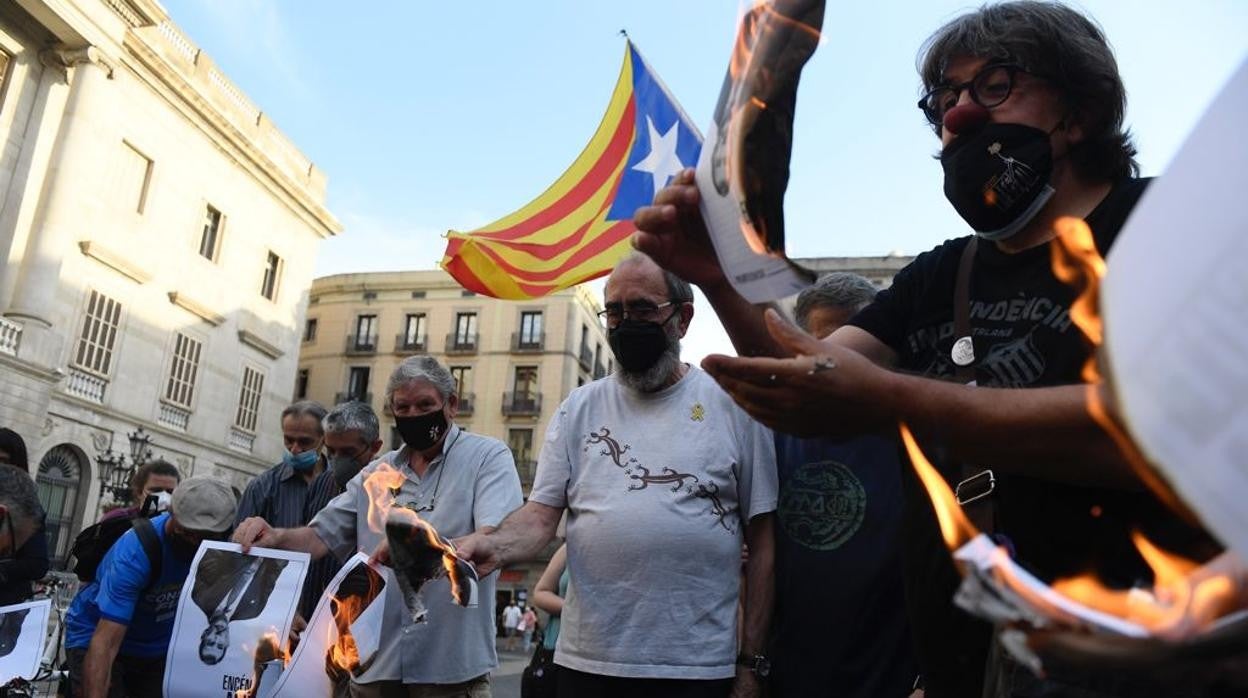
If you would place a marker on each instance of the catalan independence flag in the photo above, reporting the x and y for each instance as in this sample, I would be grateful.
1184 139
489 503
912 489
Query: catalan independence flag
579 228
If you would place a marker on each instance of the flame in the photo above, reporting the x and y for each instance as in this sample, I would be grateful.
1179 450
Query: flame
954 526
268 648
382 486
343 652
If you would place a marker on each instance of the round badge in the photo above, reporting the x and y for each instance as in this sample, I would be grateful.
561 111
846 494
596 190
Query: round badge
963 353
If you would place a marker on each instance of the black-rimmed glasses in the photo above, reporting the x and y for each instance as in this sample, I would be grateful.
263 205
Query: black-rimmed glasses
989 88
641 311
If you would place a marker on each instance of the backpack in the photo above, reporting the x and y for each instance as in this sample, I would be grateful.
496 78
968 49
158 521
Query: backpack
93 543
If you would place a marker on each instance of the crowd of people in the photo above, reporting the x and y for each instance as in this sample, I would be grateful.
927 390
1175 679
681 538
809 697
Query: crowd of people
751 526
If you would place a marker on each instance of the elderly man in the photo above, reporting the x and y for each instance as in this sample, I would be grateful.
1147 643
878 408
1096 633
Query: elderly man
290 493
118 628
27 561
457 481
663 478
1028 105
21 517
352 439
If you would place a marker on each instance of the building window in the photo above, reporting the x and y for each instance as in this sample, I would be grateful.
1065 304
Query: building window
134 175
181 386
301 384
520 441
99 333
309 330
210 238
249 399
465 329
526 383
59 482
414 331
463 379
530 329
357 384
366 332
272 268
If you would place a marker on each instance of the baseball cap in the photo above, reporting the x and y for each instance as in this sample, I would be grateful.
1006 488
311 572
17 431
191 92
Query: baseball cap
204 504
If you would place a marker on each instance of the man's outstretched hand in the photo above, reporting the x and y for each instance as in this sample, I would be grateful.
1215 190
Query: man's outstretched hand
478 549
673 234
254 531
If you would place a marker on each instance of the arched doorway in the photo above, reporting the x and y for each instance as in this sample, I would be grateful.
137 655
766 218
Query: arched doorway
60 487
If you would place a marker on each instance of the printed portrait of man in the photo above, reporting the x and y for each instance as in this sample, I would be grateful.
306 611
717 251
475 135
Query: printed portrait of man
356 591
230 586
11 630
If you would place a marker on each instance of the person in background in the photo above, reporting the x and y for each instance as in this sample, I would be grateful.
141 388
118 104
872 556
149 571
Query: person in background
511 621
528 624
23 543
548 596
352 440
13 449
157 478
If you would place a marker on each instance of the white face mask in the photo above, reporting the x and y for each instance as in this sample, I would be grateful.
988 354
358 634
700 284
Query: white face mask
157 503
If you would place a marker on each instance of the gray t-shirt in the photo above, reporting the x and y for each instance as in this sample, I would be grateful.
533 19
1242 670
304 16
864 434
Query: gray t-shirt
657 488
479 487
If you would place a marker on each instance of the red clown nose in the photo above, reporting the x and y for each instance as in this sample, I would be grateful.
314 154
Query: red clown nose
965 117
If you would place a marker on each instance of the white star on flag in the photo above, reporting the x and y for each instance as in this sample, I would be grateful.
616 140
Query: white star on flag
662 163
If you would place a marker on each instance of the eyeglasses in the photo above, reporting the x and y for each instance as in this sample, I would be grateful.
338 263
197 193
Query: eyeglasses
989 88
641 311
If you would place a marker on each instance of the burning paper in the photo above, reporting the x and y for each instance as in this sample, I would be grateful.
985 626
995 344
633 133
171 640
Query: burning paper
420 555
23 632
234 615
1174 305
742 178
342 637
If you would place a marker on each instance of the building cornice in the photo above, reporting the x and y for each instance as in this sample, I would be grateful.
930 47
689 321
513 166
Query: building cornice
196 308
260 344
117 262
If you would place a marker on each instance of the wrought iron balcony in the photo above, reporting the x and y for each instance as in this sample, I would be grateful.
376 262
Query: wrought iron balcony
361 344
461 344
522 404
366 398
467 403
413 345
526 469
527 341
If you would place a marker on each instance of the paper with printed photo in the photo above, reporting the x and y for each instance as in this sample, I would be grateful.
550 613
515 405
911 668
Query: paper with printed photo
1175 300
234 616
23 634
743 176
326 656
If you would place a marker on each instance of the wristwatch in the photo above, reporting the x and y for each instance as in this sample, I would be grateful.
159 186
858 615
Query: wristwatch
759 665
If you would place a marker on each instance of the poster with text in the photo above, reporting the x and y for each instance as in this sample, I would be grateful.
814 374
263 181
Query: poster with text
342 636
234 615
23 633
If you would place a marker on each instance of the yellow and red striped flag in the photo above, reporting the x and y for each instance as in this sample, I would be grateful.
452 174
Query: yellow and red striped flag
579 228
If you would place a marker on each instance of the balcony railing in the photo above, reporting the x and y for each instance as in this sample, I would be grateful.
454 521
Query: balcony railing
467 403
174 417
366 398
410 345
526 469
599 370
586 358
86 386
241 440
10 336
457 343
527 341
522 404
358 344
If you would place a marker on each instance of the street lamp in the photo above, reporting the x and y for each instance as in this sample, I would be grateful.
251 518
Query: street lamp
116 472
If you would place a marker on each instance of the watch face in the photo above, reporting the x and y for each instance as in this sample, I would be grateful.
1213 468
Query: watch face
762 666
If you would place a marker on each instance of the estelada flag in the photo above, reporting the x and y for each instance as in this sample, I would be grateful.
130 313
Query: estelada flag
580 227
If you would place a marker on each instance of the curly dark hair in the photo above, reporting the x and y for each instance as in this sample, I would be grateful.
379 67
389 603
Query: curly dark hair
1067 48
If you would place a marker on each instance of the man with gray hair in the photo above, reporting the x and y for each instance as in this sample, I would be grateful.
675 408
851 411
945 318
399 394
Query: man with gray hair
839 517
290 493
663 478
21 517
458 482
352 439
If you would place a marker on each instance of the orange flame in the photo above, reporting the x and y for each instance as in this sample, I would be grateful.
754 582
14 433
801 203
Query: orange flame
382 487
343 652
954 526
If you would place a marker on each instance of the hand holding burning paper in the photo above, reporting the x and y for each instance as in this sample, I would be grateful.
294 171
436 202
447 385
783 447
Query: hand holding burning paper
418 553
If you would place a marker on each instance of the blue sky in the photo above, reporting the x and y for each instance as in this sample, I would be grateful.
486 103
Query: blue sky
429 116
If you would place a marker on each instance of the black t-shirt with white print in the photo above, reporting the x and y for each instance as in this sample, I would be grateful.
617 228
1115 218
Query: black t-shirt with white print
1024 338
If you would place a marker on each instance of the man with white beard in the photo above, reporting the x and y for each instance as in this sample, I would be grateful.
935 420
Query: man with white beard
663 478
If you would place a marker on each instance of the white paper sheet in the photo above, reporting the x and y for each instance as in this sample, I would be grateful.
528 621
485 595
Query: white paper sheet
307 673
251 596
23 634
1175 304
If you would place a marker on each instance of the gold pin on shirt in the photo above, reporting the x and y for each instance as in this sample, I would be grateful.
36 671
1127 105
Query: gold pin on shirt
698 413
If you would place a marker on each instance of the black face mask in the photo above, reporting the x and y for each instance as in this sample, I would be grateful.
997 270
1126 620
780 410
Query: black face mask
638 345
423 431
998 177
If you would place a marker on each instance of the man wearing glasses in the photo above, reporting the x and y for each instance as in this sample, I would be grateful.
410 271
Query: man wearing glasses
1028 104
663 478
459 482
